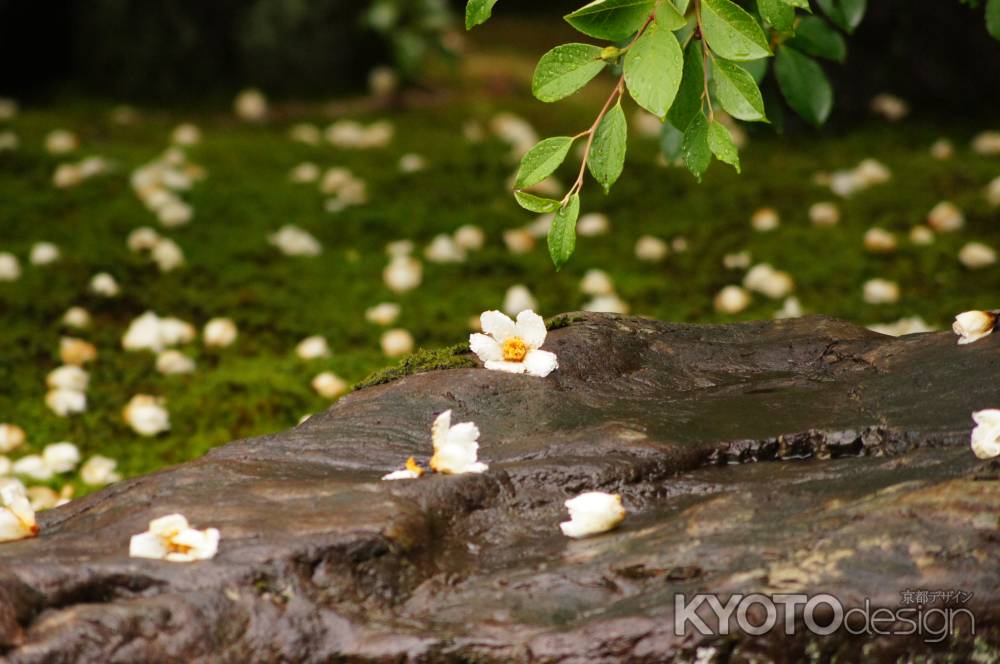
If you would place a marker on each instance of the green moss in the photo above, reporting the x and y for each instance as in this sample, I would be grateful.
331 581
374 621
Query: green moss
452 357
563 320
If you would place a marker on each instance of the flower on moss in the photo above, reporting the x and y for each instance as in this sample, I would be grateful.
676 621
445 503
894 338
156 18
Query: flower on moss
146 415
513 347
171 538
592 513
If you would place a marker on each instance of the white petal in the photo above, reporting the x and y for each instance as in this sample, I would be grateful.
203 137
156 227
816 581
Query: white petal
401 475
989 417
486 348
146 545
440 428
540 363
508 367
498 325
531 328
478 467
465 433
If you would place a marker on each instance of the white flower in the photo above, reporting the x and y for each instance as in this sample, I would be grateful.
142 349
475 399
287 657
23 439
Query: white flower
77 317
150 332
173 362
186 134
61 457
33 466
399 248
11 437
513 347
871 172
986 435
592 513
455 447
61 141
739 260
890 107
168 255
174 213
384 313
444 249
790 308
305 133
68 377
104 284
824 214
942 149
471 238
44 253
17 519
765 220
609 304
8 141
945 217
146 415
593 224
383 81
8 109
976 255
412 471
879 241
42 498
99 470
66 402
412 163
397 342
596 282
304 173
972 326
293 241
731 300
902 327
313 348
515 131
171 538
764 279
921 235
518 241
881 291
403 273
76 351
987 143
517 299
250 105
329 385
10 267
67 175
219 333
651 249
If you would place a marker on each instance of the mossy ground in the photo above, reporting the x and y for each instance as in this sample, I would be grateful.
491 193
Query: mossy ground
259 386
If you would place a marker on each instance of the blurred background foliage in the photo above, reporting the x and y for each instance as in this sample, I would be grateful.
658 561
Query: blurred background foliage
935 53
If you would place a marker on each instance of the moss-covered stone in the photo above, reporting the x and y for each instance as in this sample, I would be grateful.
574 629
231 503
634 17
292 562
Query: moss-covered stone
452 357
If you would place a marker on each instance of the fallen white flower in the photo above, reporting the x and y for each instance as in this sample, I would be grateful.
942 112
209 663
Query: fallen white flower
384 313
61 457
764 279
945 217
68 377
174 362
404 273
61 141
186 134
651 249
11 437
412 471
879 241
294 241
104 284
147 415
515 131
312 348
739 260
513 347
99 470
986 435
972 326
471 238
679 245
456 447
596 282
731 300
921 236
305 133
10 267
250 105
987 143
412 163
77 317
396 343
219 333
790 308
76 351
9 141
167 255
444 249
592 513
942 149
824 214
608 304
17 519
33 466
329 385
305 173
765 220
143 238
593 224
902 327
398 248
44 253
880 291
976 255
170 538
175 213
890 107
517 299
518 240
383 81
66 402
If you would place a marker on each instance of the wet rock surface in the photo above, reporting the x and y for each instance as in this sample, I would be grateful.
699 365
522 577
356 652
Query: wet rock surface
806 455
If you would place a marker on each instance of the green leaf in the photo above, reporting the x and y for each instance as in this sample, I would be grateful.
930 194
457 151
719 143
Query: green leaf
681 5
777 13
533 203
668 16
815 37
720 141
542 160
607 154
732 32
804 85
614 20
757 68
688 100
671 141
993 18
801 4
478 12
695 150
653 68
564 70
562 232
737 91
847 14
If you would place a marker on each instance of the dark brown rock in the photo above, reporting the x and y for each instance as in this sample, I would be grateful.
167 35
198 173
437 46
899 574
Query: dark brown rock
864 487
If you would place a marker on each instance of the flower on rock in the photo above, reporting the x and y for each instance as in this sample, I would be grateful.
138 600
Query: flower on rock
455 447
974 325
513 347
17 519
171 538
592 513
412 471
986 435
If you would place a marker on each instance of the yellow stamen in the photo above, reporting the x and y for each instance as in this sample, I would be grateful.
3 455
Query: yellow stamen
414 467
514 349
